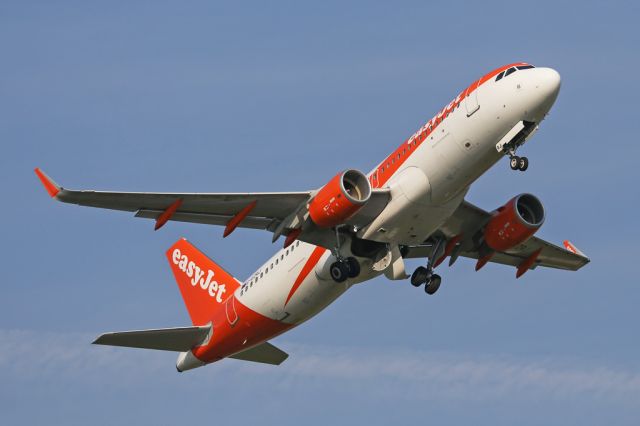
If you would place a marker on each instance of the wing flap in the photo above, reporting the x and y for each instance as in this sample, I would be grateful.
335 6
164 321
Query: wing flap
265 353
178 339
551 255
252 222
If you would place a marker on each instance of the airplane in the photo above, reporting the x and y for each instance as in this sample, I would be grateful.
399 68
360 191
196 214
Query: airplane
354 228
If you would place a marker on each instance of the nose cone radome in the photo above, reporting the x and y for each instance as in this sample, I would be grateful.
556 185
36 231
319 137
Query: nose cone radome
547 87
549 80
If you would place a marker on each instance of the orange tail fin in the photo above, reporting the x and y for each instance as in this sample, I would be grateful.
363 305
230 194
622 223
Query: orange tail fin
204 285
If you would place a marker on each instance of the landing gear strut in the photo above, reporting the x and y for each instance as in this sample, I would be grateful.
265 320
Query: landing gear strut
424 275
343 268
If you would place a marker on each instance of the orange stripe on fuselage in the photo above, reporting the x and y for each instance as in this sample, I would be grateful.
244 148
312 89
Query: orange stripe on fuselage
392 163
313 260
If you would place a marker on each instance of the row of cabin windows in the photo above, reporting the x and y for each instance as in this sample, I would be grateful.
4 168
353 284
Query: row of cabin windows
512 70
415 141
266 270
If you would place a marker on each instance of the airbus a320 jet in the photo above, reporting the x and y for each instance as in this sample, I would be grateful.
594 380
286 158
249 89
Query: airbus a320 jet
355 227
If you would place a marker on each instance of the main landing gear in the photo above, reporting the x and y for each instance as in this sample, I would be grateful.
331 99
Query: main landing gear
424 275
343 268
430 280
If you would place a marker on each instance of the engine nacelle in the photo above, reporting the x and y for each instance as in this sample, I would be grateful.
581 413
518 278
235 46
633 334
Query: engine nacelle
340 199
514 223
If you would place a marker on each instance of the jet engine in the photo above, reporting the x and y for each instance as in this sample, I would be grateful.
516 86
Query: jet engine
514 223
340 199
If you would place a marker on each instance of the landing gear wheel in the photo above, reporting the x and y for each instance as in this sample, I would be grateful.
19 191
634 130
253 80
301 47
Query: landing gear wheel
523 164
514 162
353 266
433 285
419 276
339 271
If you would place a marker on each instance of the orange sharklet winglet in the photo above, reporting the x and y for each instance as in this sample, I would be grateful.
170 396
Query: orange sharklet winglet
526 264
238 218
52 188
166 215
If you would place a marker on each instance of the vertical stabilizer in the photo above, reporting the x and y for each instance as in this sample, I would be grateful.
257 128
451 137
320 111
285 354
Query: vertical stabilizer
203 284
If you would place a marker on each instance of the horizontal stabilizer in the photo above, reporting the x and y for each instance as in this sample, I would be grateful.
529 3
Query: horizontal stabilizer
178 339
265 353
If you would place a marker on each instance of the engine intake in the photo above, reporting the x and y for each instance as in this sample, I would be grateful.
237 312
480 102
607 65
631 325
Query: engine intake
340 199
514 223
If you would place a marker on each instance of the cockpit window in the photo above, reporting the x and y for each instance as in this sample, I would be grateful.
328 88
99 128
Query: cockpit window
512 70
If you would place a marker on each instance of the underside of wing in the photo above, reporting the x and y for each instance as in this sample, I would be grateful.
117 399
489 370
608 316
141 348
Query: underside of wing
465 227
276 212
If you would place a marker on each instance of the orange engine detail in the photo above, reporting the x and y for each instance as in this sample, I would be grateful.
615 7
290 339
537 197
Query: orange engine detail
514 223
340 199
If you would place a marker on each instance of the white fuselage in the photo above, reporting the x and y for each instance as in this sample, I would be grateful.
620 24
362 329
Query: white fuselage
427 181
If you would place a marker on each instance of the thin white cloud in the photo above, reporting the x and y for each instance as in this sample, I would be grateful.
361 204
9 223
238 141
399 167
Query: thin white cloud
30 355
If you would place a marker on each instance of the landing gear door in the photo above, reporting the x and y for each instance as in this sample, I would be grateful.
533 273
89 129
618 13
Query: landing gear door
471 99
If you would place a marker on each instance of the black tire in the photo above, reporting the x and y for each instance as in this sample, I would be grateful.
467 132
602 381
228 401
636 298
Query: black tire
433 285
339 271
523 164
353 266
419 276
514 162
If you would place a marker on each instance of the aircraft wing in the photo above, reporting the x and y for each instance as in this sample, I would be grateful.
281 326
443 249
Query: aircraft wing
468 220
277 212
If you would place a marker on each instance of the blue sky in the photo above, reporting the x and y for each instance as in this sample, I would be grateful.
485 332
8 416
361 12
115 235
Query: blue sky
199 96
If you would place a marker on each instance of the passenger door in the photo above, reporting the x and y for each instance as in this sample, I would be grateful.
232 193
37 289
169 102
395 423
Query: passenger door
471 99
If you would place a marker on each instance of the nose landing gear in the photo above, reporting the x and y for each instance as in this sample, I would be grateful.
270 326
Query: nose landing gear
518 163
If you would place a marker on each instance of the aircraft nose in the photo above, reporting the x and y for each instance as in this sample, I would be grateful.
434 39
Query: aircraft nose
547 87
549 81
